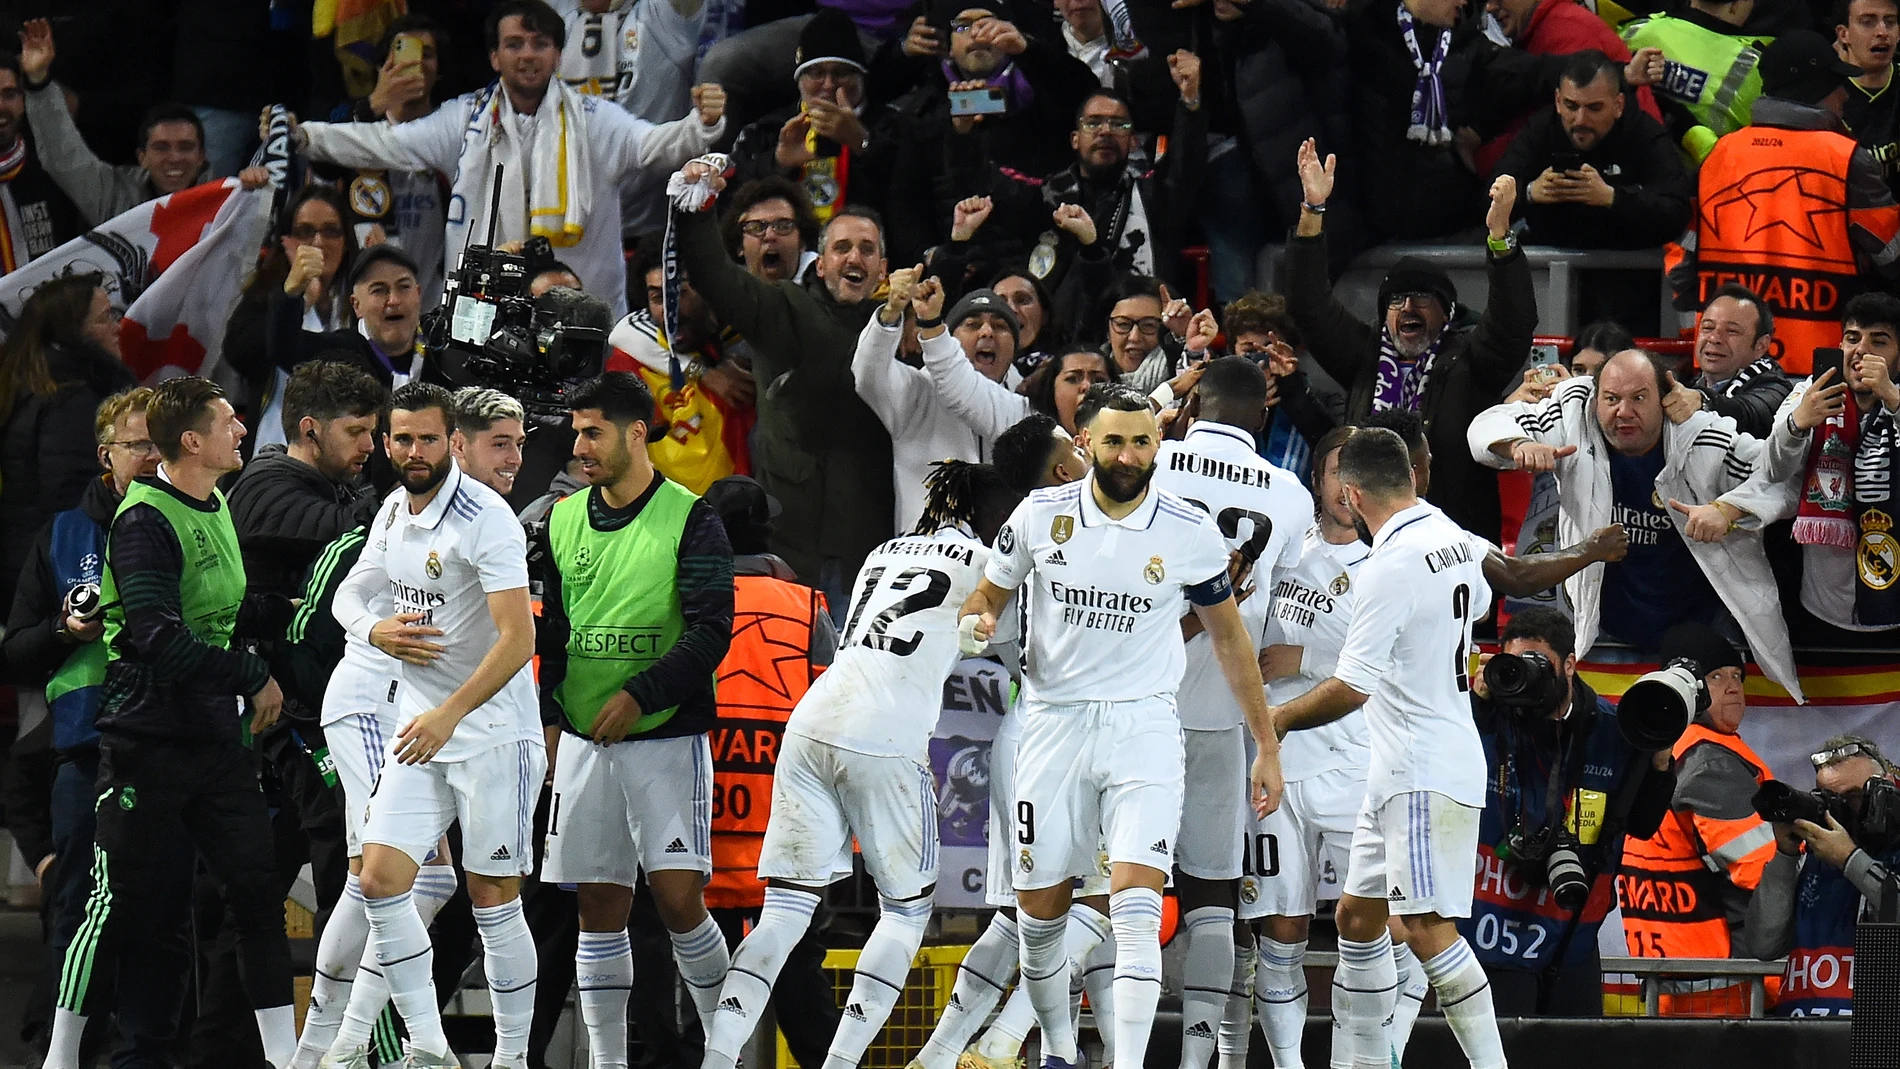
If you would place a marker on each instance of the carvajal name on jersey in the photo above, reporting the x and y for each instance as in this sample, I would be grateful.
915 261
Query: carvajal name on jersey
1104 610
1297 603
416 599
1219 469
1440 559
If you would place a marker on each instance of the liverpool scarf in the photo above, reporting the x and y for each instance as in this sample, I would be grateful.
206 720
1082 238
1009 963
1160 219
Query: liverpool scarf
1846 503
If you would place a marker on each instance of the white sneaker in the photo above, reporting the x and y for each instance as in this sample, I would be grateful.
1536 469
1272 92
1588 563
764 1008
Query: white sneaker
355 1059
422 1059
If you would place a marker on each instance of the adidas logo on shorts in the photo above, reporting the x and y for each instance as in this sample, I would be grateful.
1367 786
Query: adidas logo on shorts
676 847
854 1011
1056 558
1396 895
1160 846
956 1003
501 854
1199 1031
732 1004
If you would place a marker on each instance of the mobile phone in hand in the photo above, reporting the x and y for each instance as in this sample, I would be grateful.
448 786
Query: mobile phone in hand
985 101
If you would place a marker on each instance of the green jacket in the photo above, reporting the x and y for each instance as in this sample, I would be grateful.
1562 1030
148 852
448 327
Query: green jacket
819 450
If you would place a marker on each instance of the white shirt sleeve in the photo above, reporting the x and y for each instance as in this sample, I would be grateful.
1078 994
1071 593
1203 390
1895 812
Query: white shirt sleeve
989 408
1383 610
431 143
498 548
1206 553
1010 559
898 393
666 46
351 603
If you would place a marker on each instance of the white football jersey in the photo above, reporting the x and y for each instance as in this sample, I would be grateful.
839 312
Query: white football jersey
444 562
1104 597
1312 608
884 689
1264 512
1409 648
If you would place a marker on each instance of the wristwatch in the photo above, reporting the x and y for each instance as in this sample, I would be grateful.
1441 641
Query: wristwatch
1503 246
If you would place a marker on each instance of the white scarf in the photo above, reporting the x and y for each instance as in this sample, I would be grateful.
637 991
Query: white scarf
557 191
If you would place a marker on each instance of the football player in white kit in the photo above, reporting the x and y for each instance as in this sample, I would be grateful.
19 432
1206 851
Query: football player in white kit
1406 660
470 746
1034 453
490 433
855 762
1264 513
1106 562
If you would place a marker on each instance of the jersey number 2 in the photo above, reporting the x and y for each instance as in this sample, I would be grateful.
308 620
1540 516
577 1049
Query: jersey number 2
1461 611
935 587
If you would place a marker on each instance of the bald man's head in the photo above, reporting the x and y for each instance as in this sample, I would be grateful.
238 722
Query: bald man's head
1629 392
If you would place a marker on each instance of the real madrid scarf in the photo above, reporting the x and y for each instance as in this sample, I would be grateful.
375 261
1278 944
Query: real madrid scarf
1847 503
1431 117
826 175
685 197
1401 382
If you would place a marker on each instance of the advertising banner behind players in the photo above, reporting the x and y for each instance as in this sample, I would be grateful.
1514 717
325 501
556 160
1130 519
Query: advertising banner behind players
975 696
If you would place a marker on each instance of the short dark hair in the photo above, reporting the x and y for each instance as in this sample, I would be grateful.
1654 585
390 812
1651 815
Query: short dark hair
760 190
1582 68
619 396
1542 623
1255 312
649 253
1404 422
1606 336
1873 309
416 24
1103 93
326 389
1844 8
1113 396
10 61
1022 452
179 405
422 396
1765 319
1376 461
169 111
1234 379
535 16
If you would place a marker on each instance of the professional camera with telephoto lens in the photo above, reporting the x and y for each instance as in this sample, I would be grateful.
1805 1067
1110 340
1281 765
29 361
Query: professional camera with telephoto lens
1658 707
1875 828
1555 851
1526 681
489 332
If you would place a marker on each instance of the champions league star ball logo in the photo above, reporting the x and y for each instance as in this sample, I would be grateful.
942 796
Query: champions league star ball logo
433 565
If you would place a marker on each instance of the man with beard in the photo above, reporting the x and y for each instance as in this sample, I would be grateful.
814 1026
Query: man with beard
451 560
1422 357
636 596
489 436
981 329
821 450
1598 174
1135 217
1107 562
1404 660
563 156
291 500
1864 35
699 430
1688 493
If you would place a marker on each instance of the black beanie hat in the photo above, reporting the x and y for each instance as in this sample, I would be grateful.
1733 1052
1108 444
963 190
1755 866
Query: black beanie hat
830 37
1701 644
1414 274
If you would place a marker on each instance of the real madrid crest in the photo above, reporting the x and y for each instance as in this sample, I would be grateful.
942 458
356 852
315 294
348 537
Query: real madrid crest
1249 893
1154 572
433 565
1878 556
1341 583
1042 259
1025 862
1062 528
369 196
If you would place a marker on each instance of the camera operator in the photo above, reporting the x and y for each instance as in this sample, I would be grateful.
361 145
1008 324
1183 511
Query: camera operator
1564 786
1823 878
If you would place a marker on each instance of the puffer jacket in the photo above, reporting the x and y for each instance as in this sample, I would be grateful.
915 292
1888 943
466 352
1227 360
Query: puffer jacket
286 511
47 450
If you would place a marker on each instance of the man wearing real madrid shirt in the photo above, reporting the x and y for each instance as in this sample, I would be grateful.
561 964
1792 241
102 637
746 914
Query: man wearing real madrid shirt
636 614
453 559
1105 564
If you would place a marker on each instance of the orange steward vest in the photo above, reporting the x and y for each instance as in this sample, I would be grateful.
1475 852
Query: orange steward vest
766 671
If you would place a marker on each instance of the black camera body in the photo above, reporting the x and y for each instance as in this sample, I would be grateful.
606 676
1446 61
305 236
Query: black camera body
1552 854
1526 682
489 332
1876 828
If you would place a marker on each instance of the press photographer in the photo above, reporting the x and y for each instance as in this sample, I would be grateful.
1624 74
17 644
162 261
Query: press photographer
1565 784
1834 850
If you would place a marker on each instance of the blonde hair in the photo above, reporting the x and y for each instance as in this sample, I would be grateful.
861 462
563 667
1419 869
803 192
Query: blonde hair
117 407
478 408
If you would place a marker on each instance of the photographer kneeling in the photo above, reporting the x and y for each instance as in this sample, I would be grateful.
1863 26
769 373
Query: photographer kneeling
1834 851
1564 786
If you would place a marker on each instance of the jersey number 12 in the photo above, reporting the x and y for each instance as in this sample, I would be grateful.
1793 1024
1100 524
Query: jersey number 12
920 596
